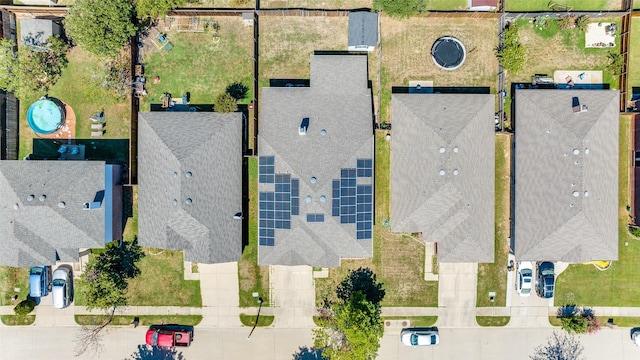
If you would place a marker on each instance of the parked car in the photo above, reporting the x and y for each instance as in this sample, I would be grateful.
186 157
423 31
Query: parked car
61 288
635 336
545 282
169 335
420 336
39 281
524 280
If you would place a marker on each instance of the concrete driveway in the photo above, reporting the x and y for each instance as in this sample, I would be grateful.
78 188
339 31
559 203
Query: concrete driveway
457 293
293 296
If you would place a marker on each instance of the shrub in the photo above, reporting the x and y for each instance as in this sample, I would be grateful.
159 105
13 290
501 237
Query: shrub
400 8
582 22
511 54
635 231
225 103
616 62
24 307
566 22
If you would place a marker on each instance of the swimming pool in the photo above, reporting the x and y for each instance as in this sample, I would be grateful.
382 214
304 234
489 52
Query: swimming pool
45 116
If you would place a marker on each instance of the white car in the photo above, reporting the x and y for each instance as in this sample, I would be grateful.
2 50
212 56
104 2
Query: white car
635 336
524 280
420 336
61 288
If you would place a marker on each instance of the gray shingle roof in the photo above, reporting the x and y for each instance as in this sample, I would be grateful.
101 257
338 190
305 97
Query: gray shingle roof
338 101
566 179
363 28
32 231
435 137
208 147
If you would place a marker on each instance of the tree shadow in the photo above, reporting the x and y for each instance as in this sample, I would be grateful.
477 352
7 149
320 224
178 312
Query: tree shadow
308 353
145 352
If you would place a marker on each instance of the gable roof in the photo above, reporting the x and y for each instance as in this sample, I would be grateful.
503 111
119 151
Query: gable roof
36 32
190 184
442 172
566 179
363 28
34 229
339 102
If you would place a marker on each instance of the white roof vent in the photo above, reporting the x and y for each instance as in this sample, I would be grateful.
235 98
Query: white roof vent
323 132
62 205
586 194
442 149
455 149
308 198
175 174
323 198
304 126
442 172
455 172
16 206
314 180
586 150
31 197
576 151
175 202
42 197
575 194
188 201
188 174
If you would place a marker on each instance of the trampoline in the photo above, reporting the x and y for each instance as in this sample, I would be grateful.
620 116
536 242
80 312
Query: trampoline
46 115
448 53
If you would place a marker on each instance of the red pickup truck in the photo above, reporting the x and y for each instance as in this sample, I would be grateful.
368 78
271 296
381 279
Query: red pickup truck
169 335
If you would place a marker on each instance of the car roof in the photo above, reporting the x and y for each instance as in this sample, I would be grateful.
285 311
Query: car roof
60 273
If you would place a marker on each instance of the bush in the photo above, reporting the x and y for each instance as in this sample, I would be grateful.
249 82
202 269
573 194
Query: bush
225 103
566 22
582 22
401 8
635 231
24 307
616 62
511 55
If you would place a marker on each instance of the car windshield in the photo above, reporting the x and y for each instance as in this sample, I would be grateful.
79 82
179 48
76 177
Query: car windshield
526 272
526 291
36 271
527 280
414 339
58 282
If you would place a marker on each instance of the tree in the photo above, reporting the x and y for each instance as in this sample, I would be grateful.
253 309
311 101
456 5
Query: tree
102 27
400 8
616 62
31 70
558 347
582 22
511 55
238 90
24 307
225 103
156 8
364 280
353 332
578 320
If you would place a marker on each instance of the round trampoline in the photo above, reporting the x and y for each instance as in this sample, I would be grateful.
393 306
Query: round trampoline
45 116
448 53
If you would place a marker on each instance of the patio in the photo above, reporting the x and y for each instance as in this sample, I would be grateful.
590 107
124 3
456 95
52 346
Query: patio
600 35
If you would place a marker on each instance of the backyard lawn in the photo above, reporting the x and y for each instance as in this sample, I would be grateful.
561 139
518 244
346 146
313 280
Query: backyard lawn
543 5
406 45
493 276
199 64
12 278
620 284
398 259
634 55
252 278
80 86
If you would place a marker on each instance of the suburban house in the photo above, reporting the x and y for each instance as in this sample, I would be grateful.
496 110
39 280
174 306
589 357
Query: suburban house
316 166
190 184
35 32
443 172
50 209
363 31
566 175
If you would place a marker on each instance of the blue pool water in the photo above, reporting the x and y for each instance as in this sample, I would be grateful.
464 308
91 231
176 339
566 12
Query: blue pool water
45 116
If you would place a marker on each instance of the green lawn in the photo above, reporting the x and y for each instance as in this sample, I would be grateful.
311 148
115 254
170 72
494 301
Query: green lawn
414 321
398 259
252 278
199 65
619 285
80 88
634 55
492 320
12 278
493 276
447 5
144 320
14 320
250 320
543 5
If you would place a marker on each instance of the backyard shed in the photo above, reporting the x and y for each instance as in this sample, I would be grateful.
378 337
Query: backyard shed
35 32
363 31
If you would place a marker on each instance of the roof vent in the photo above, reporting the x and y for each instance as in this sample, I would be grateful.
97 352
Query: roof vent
175 174
455 149
30 197
188 174
586 194
576 151
304 126
571 205
442 172
62 205
175 202
323 132
455 172
314 180
586 150
188 201
42 197
548 131
308 198
16 206
575 194
323 198
442 150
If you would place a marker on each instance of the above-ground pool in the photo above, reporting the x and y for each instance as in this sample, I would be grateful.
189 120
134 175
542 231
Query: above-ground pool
45 116
448 53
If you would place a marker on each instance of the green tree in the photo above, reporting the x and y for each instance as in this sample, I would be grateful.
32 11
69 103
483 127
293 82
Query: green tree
102 27
225 103
364 280
156 8
238 90
353 332
616 62
577 320
400 8
24 307
31 70
511 54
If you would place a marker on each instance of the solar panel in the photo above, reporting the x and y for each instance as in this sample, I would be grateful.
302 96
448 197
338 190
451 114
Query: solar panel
364 212
275 207
364 167
315 218
266 169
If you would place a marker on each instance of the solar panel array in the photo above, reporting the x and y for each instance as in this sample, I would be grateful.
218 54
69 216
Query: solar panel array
353 203
276 207
315 218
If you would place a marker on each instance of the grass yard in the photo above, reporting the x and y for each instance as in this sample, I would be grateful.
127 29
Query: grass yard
543 5
398 260
252 278
414 321
552 49
493 320
634 55
15 320
493 276
12 278
80 87
287 43
620 284
250 320
199 65
317 4
144 320
406 45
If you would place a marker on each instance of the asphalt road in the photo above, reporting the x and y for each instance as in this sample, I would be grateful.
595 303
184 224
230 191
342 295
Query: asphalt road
217 343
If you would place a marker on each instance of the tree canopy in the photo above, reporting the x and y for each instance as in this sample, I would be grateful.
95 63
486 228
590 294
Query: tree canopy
225 103
401 8
102 27
156 8
364 280
511 54
31 70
